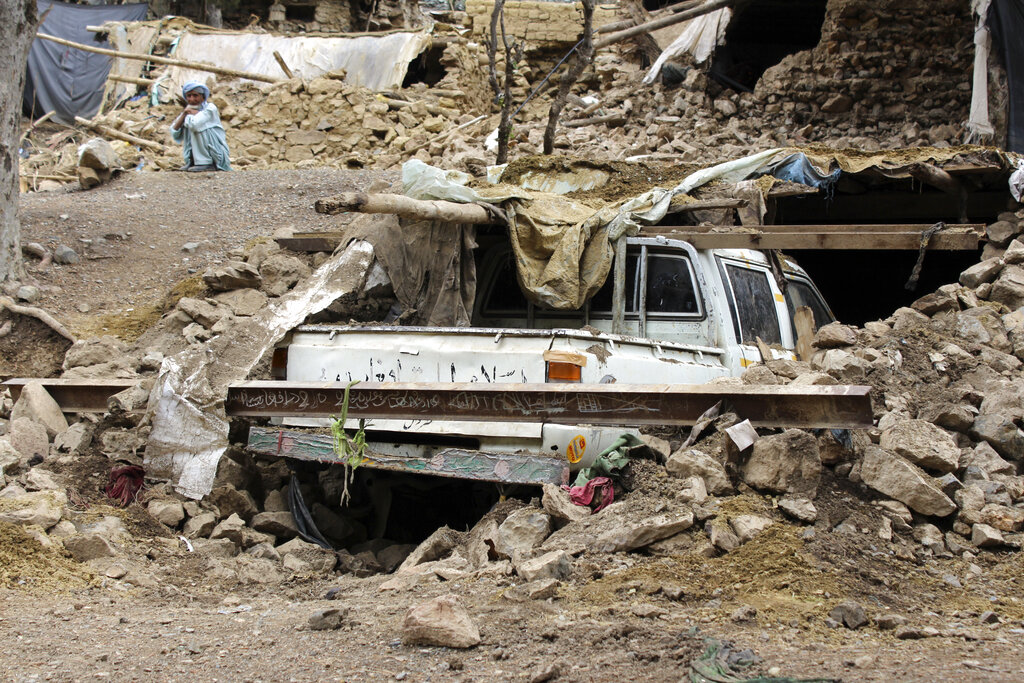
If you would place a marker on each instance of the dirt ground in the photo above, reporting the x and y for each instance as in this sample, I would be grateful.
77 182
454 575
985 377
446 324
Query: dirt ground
158 612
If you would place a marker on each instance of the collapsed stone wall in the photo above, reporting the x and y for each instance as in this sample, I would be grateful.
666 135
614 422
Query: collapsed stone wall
538 22
896 62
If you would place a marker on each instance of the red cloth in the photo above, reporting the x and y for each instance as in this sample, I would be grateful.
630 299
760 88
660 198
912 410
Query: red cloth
598 493
125 484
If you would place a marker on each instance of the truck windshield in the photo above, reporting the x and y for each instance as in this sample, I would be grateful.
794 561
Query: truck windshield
753 306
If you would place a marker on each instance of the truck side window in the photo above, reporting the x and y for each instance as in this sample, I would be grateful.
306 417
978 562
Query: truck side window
601 303
800 293
754 305
505 298
670 287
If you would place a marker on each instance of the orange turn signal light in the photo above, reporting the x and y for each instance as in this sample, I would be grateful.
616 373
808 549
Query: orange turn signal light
563 372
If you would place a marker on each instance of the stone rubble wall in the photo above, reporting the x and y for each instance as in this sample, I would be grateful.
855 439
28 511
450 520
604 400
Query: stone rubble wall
538 22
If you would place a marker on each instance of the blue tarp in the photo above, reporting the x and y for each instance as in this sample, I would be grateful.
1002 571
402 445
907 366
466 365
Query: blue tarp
63 79
796 168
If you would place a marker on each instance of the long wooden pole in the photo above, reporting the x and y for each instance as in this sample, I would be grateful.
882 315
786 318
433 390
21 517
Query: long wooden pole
619 36
664 11
131 79
198 66
113 133
407 207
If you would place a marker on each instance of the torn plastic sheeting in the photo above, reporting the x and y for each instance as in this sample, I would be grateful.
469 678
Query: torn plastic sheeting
375 62
728 172
798 168
700 36
186 406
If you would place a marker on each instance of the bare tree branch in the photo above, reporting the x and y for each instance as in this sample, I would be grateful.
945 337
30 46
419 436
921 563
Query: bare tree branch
580 60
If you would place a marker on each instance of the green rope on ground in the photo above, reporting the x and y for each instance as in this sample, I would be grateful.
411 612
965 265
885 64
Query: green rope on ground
719 664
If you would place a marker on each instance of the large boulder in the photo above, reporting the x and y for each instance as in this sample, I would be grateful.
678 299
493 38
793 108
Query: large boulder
36 404
631 535
280 272
29 439
303 558
95 351
232 275
242 302
690 462
553 565
43 509
923 444
442 621
893 476
522 531
1009 287
1002 433
980 273
557 503
785 463
231 501
99 155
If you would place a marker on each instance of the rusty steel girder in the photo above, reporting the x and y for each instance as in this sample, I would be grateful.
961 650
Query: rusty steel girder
595 404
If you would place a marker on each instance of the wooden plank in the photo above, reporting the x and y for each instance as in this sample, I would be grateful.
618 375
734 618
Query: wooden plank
595 404
803 320
505 468
947 241
869 228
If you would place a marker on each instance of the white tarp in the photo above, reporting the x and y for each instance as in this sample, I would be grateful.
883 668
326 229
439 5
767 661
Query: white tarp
375 62
979 123
186 405
700 36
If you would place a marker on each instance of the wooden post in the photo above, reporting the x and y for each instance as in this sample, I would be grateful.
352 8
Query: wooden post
803 321
619 36
407 207
113 133
619 287
284 66
611 119
145 82
198 66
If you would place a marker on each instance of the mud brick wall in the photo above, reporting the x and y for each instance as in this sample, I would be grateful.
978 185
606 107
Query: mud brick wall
890 61
538 22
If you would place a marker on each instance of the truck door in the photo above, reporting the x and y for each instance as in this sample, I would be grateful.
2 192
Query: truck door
756 306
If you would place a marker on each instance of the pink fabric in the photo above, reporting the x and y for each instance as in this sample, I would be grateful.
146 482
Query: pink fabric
597 492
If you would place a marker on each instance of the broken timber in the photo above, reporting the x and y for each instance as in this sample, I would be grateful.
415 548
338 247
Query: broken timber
594 404
406 207
506 468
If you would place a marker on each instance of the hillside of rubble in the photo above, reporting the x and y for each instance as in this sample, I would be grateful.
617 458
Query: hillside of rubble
717 553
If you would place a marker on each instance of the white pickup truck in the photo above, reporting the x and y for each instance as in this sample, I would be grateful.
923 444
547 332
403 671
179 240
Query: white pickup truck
687 317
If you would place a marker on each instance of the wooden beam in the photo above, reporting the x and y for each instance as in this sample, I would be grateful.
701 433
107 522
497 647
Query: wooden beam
869 228
676 18
283 65
911 241
118 78
628 23
198 66
598 404
504 468
611 119
407 207
114 133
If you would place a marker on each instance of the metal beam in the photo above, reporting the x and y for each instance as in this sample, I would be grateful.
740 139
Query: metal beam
506 468
75 395
595 404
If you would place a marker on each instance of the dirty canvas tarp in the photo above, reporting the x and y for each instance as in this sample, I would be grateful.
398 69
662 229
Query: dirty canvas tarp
1006 21
374 62
186 406
700 36
65 80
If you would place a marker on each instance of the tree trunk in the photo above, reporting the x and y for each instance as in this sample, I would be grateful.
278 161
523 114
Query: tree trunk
584 55
18 22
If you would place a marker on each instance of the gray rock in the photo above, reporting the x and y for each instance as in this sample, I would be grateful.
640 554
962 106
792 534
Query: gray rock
190 247
799 508
930 536
264 551
843 365
234 529
328 619
979 273
692 490
1009 287
29 439
1014 253
43 509
746 527
38 479
953 416
202 312
985 458
35 403
834 336
1002 517
280 272
442 621
280 524
85 547
243 302
690 462
944 299
84 353
215 547
28 293
744 613
888 622
309 556
639 534
65 255
785 463
232 275
202 525
810 379
231 501
522 531
556 503
923 444
893 476
850 614
75 439
759 374
391 557
99 155
436 546
1001 232
556 564
1001 433
721 535
168 512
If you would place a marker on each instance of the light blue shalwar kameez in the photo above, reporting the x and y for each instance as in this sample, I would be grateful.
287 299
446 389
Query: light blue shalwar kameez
202 137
